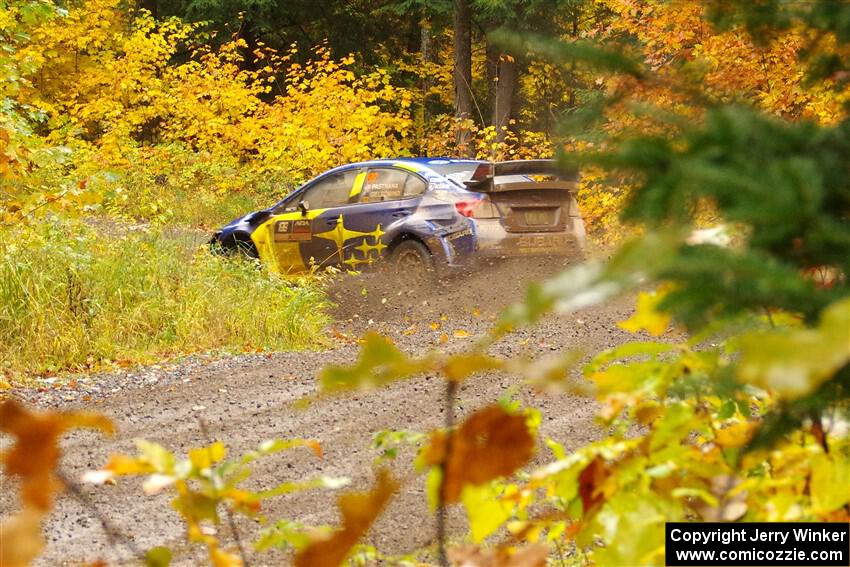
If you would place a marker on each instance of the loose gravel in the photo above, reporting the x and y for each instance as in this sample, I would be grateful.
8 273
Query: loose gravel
246 399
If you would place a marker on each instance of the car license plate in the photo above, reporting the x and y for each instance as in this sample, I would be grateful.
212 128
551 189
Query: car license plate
538 218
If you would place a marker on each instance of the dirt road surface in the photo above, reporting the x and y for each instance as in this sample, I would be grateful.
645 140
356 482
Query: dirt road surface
246 399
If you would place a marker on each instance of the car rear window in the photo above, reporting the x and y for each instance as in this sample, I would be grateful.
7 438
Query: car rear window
387 184
457 172
460 172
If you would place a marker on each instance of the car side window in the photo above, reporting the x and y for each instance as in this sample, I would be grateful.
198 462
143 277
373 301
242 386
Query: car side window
388 184
330 191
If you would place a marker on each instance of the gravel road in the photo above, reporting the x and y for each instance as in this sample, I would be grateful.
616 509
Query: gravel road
246 399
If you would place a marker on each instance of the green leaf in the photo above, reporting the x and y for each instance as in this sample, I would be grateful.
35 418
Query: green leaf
158 557
160 458
388 442
727 410
590 53
485 510
270 446
632 529
433 482
286 534
380 362
561 476
795 362
558 450
744 408
197 506
701 493
830 483
630 349
299 486
672 426
632 377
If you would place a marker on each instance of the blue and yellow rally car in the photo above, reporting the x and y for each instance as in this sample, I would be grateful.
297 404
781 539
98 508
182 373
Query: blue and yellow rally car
420 213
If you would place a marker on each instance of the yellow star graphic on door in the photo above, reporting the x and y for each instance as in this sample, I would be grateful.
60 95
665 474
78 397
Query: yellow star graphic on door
339 235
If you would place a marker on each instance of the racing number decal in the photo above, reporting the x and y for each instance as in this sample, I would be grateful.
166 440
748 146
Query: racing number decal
279 240
293 231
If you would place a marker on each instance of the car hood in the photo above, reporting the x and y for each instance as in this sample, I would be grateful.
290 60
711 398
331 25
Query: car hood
246 223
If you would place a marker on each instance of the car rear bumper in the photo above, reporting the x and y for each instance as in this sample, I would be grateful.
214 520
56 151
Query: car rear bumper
493 241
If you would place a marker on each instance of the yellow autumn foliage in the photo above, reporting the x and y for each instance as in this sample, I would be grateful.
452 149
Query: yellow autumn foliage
108 94
692 62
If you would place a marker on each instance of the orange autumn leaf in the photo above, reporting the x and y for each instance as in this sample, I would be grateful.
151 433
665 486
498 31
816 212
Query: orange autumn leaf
461 366
35 454
648 413
119 465
473 556
591 484
490 444
24 531
221 558
359 510
316 447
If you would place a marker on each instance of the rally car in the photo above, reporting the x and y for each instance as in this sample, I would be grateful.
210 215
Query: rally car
420 213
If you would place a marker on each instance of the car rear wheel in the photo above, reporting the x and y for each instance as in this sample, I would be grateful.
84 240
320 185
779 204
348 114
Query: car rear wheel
412 263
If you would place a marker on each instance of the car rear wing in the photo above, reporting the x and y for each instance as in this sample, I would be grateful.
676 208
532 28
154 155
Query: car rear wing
486 177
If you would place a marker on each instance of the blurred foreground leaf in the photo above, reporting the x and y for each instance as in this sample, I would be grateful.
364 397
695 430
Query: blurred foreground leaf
491 443
359 510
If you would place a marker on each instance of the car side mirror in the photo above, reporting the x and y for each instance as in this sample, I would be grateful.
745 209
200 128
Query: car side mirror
303 206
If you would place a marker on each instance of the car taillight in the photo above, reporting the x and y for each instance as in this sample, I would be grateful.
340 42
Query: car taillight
481 208
467 208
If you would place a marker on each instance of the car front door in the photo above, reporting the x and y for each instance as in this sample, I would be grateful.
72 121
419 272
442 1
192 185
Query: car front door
291 240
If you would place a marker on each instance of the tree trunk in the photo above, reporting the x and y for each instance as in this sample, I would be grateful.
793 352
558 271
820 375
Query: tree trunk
149 5
463 71
505 88
492 66
247 33
425 56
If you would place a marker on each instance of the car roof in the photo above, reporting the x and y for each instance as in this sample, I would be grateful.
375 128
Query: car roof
418 164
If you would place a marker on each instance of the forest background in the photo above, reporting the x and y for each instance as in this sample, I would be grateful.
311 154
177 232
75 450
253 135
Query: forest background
188 114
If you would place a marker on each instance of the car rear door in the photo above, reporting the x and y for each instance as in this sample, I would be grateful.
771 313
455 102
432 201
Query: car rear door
382 198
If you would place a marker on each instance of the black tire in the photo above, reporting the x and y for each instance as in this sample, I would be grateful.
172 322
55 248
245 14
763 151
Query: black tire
239 246
412 263
245 249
